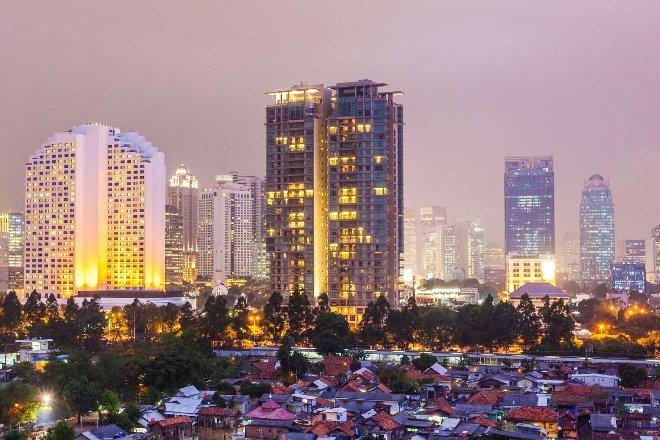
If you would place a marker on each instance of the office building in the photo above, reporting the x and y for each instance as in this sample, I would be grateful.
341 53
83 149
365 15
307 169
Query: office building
173 248
494 256
12 230
523 270
334 176
183 193
410 229
529 206
655 252
596 230
628 276
226 232
431 221
635 252
95 213
570 257
449 252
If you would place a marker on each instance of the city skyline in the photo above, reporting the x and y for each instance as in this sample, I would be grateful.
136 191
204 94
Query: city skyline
465 104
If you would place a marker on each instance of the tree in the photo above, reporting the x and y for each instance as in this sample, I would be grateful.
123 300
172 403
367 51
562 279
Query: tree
503 326
599 291
437 326
322 304
225 388
587 310
293 364
528 326
468 328
133 412
274 317
485 323
559 324
26 372
11 313
239 320
331 334
631 375
92 322
109 402
82 397
424 361
61 431
19 402
34 311
405 360
403 324
396 380
374 323
187 319
298 315
215 318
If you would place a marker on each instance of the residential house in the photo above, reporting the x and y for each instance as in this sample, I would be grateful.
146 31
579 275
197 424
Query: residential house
175 428
544 418
267 421
215 423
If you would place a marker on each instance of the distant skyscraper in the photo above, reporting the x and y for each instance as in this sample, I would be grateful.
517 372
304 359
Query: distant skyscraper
494 256
173 248
635 252
655 246
596 230
335 193
529 206
628 276
449 250
256 186
95 213
11 248
183 193
226 234
431 221
570 256
410 229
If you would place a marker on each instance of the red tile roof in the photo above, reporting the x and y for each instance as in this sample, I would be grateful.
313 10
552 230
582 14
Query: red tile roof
385 421
486 397
270 411
174 421
444 406
323 402
576 393
350 386
322 429
383 388
484 421
531 414
334 365
216 411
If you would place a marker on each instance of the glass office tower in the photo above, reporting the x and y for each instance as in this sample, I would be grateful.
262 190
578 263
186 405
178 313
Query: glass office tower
596 230
529 206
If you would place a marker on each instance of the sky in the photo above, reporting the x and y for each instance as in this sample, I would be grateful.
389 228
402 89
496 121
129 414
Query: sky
482 79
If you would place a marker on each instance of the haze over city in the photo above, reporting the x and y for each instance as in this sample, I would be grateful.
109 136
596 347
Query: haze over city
482 80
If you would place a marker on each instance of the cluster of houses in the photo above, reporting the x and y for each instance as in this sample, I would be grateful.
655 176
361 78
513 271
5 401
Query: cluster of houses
478 402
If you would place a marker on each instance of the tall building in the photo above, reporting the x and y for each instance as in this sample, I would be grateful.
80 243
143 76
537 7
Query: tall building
12 229
628 276
494 256
596 230
335 194
655 247
529 206
226 232
173 248
570 256
95 213
635 252
431 221
183 193
410 229
256 186
450 248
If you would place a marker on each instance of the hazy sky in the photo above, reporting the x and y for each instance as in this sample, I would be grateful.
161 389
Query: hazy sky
482 80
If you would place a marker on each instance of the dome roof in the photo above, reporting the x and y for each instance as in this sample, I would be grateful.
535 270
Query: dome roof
596 181
182 170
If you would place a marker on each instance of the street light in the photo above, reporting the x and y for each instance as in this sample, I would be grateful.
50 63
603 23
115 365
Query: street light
601 326
45 399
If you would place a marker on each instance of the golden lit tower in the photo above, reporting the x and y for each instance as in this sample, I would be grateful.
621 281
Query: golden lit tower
183 193
296 189
95 213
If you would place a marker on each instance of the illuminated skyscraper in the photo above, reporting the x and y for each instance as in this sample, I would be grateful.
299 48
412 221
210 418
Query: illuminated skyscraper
95 213
429 251
173 248
529 206
596 230
410 229
570 256
226 232
655 247
183 193
335 194
11 248
635 252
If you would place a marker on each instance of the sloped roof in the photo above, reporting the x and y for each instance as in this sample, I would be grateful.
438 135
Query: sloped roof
174 421
486 397
322 429
539 290
270 411
385 421
219 412
532 414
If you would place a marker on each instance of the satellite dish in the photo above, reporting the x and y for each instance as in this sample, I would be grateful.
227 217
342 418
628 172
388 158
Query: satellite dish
220 289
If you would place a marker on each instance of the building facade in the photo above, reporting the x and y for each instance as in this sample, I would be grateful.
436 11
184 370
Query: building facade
635 252
529 206
570 256
596 230
628 276
432 219
95 213
334 174
410 228
523 270
173 248
655 250
12 230
183 193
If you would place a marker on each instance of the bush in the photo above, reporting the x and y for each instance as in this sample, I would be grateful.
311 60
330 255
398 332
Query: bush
424 361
